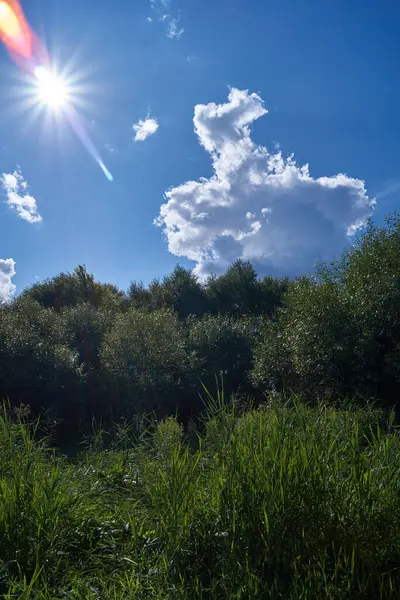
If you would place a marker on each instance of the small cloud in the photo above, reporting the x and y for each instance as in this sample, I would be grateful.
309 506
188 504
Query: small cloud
149 19
109 148
172 24
23 203
170 18
7 272
144 129
190 58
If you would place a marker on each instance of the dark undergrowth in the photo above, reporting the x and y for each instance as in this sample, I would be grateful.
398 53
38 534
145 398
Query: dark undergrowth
286 501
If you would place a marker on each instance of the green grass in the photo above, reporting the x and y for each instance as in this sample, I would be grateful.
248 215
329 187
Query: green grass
287 501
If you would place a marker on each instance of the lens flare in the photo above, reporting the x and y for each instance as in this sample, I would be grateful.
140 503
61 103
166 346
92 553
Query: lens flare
80 131
31 56
15 32
9 21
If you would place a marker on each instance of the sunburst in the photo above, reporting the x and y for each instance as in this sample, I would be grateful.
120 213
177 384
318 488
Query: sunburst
52 89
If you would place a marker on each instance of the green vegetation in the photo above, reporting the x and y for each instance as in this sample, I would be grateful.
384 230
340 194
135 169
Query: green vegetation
262 496
76 348
287 501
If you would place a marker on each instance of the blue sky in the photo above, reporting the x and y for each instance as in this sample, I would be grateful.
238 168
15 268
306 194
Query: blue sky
325 71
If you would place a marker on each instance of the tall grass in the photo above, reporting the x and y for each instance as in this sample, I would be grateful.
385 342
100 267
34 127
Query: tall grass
287 501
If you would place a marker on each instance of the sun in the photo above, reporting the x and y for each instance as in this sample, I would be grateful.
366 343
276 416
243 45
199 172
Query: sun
52 90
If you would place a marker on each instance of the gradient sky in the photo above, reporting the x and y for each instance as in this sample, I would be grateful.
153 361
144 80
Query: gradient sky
327 72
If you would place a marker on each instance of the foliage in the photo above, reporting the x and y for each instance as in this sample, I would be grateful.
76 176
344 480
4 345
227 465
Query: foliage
180 292
316 332
36 365
238 292
340 331
83 328
371 280
71 289
144 356
85 349
222 346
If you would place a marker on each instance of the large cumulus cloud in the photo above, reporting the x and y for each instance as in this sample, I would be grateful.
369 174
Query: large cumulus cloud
257 205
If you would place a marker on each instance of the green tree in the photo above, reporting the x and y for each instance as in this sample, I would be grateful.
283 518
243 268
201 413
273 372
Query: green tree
222 346
237 292
310 348
370 276
145 359
68 289
180 291
273 369
185 293
139 296
36 366
321 336
271 295
83 328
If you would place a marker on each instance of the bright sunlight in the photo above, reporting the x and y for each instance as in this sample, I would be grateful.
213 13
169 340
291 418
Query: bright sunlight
51 89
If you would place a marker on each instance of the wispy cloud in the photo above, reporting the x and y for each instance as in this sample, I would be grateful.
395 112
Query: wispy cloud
145 128
258 205
17 197
160 3
109 147
163 11
391 188
173 30
7 272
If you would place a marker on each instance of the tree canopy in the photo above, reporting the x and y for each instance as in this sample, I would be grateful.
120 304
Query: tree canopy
84 348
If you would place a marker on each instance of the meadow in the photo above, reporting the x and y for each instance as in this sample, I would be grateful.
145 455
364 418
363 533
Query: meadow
286 500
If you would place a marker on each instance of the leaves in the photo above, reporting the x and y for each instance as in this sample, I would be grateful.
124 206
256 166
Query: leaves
86 349
145 356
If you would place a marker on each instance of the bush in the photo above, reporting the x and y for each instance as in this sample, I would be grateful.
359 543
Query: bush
36 365
222 347
145 359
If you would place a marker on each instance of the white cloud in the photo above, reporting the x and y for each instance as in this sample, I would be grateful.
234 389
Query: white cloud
144 129
172 26
170 18
15 188
7 272
258 205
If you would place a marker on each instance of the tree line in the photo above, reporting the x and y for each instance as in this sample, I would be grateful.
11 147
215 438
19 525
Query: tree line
75 349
